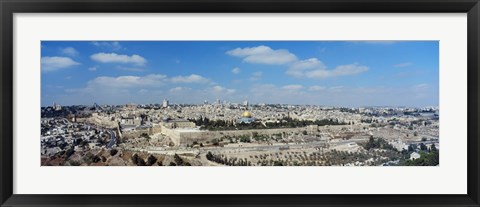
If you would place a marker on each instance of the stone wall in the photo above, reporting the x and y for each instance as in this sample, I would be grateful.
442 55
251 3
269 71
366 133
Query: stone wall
137 132
173 134
102 121
180 138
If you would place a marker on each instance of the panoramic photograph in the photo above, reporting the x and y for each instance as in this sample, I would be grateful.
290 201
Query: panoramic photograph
239 103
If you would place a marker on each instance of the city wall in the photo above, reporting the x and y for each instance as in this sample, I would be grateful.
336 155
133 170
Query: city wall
128 134
182 138
102 121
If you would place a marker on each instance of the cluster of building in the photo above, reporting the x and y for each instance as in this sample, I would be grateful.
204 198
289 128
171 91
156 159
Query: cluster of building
58 134
99 126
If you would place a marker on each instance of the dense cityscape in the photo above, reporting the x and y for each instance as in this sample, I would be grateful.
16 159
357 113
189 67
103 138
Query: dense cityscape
239 103
238 134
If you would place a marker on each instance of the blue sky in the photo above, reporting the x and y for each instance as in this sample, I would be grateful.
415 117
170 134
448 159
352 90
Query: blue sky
331 73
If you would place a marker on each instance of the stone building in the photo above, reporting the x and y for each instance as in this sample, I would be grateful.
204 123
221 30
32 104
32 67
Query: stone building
178 123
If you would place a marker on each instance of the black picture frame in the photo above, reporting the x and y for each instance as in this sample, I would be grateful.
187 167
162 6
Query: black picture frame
10 7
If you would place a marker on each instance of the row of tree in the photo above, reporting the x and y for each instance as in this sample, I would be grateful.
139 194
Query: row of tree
378 143
179 161
151 160
286 122
224 160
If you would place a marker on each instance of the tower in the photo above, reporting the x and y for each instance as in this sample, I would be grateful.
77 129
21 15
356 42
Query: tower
165 103
56 107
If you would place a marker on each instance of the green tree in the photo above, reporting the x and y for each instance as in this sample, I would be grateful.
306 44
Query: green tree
69 152
178 160
113 152
423 147
137 160
151 160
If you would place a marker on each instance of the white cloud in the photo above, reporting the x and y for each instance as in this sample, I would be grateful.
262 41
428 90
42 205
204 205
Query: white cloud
370 90
292 87
269 93
236 70
152 80
263 55
242 52
131 69
119 89
422 86
403 65
336 88
194 78
263 89
298 68
342 70
108 45
179 89
256 76
92 68
142 91
222 90
118 58
56 63
311 68
314 68
70 51
317 88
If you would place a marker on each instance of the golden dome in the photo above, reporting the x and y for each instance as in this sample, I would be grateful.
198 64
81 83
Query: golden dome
247 114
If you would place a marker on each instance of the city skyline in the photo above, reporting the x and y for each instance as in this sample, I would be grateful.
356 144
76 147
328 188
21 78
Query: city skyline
330 73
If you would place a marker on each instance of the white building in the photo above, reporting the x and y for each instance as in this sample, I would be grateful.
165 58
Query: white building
56 107
165 103
414 155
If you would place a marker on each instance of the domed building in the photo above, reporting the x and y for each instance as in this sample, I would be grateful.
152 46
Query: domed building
247 114
246 118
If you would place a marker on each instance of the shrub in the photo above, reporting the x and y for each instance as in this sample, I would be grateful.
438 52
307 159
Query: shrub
151 160
69 152
137 160
113 152
74 163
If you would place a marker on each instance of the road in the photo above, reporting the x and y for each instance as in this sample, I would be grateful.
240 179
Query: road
243 148
113 139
